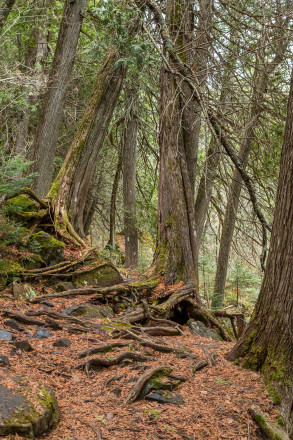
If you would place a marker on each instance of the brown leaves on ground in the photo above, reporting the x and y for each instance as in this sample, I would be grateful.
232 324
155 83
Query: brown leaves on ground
216 398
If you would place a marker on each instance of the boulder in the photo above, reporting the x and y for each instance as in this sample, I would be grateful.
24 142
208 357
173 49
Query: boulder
33 261
197 328
89 311
104 276
22 291
50 249
26 413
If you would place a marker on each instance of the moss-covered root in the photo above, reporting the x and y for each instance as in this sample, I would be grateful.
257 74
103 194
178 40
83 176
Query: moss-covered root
272 431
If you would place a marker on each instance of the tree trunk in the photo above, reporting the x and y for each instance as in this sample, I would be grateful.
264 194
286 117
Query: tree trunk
176 242
267 342
69 191
260 83
5 10
112 240
129 177
51 113
36 51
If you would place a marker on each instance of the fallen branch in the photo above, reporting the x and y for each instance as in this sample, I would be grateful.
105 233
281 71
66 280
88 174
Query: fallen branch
271 430
134 393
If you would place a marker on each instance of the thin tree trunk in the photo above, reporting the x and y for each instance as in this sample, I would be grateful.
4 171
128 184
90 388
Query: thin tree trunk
260 83
129 177
70 189
267 342
51 113
112 240
5 9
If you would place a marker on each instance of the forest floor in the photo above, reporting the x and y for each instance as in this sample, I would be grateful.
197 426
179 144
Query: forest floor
92 405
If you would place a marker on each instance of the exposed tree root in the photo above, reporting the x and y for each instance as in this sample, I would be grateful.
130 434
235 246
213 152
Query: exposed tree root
102 349
20 317
199 366
271 430
104 362
158 347
62 317
134 393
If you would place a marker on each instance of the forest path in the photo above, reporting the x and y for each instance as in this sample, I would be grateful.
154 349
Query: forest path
92 406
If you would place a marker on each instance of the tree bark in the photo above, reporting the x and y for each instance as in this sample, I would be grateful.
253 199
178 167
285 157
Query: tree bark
6 8
112 240
176 242
267 342
129 177
35 54
69 191
51 113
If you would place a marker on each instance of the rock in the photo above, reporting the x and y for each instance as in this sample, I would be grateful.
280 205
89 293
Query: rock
166 397
104 276
50 249
27 416
14 324
5 335
63 286
89 311
23 345
22 291
42 333
197 328
4 361
63 342
47 303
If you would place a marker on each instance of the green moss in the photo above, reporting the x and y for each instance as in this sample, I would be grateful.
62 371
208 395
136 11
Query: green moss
21 203
46 241
11 267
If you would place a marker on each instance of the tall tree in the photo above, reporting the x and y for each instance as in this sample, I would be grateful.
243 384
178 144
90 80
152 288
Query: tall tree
266 345
51 113
69 192
176 242
129 176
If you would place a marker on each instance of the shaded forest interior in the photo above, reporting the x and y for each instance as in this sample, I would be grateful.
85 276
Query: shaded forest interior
146 217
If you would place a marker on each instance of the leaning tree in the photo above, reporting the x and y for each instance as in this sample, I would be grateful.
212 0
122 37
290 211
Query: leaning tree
266 345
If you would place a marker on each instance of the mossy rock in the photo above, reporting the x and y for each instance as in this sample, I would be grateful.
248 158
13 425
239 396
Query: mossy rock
26 413
10 267
21 203
197 328
50 249
159 382
89 311
104 276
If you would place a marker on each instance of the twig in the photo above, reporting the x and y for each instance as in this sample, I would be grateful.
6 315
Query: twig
92 427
